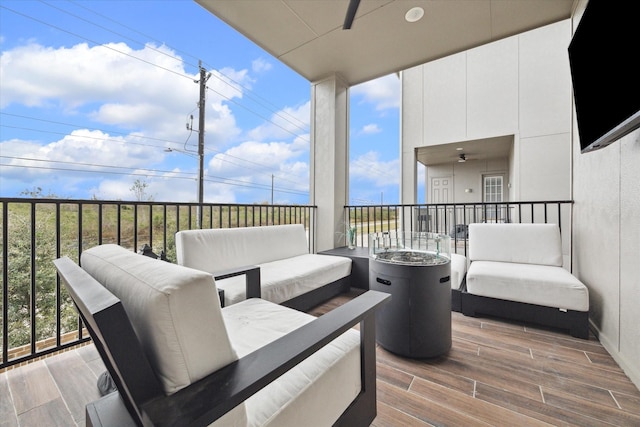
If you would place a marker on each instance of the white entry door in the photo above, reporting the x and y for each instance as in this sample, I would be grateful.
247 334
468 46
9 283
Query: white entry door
440 190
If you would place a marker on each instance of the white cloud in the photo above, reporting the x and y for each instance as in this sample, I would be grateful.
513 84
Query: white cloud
111 87
253 163
145 108
384 92
289 122
370 129
369 168
260 65
83 156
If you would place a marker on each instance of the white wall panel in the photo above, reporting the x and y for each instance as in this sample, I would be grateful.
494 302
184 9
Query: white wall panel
630 254
412 108
492 89
544 167
445 112
544 63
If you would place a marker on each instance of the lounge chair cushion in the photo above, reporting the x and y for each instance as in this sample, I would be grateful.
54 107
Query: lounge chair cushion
521 243
174 310
544 285
254 323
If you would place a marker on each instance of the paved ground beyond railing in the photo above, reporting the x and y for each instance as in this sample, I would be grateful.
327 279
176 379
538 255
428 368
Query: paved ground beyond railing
37 316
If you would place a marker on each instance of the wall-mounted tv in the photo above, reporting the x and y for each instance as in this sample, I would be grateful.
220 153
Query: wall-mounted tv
603 56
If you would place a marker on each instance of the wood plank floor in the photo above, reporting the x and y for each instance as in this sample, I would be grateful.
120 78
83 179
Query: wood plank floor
496 374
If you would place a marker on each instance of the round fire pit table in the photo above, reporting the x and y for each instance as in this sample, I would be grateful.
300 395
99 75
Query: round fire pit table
417 321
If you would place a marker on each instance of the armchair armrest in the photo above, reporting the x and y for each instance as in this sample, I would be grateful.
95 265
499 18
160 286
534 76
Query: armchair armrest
252 274
207 400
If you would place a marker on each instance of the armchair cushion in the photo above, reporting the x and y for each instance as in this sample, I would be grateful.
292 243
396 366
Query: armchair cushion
521 243
174 310
548 286
255 323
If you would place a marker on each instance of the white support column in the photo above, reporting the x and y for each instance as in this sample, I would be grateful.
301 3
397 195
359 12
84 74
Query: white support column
329 159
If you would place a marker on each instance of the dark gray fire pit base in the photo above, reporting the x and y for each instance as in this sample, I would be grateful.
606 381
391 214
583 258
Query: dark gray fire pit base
417 321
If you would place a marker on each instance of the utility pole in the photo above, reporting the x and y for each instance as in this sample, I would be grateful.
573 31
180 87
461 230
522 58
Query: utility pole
201 107
272 189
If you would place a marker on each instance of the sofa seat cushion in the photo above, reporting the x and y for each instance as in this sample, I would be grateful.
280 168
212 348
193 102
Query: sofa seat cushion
254 323
174 310
287 278
544 285
458 270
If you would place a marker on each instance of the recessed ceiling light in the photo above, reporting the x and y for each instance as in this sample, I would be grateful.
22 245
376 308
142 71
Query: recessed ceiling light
414 14
459 148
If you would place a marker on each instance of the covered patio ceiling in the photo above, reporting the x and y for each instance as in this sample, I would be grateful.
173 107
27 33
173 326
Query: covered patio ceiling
308 35
480 149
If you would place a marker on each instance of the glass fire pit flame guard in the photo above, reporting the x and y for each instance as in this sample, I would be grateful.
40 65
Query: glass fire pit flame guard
411 248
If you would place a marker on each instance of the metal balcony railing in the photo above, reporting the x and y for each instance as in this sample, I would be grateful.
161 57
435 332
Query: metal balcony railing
37 316
454 218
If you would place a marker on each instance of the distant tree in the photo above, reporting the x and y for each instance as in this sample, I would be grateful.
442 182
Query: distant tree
37 193
139 190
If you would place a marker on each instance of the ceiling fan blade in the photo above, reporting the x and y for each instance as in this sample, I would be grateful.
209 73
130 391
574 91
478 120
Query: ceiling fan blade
351 14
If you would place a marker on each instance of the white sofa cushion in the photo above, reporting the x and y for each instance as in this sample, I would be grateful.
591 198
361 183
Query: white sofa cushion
174 310
549 286
310 385
219 249
519 243
458 270
287 278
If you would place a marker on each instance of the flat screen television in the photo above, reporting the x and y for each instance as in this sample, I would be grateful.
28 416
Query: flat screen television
603 56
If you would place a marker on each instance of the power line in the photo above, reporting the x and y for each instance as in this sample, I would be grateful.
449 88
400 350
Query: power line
140 59
111 31
264 168
97 44
139 172
260 100
277 113
260 116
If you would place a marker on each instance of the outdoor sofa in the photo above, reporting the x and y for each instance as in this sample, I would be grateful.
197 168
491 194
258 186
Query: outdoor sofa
179 359
516 272
289 274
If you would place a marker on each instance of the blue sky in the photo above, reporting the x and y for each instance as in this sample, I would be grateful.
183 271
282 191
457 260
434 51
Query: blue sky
93 93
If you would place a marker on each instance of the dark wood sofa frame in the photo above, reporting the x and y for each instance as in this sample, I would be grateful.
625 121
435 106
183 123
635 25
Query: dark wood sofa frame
140 399
575 322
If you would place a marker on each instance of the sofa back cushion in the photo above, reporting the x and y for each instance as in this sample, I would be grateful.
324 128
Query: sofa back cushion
218 249
174 310
519 243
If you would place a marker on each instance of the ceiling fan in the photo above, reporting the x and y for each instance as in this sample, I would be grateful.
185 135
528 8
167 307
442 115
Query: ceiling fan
351 14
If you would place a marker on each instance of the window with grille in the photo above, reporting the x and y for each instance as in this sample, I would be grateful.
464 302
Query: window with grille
493 189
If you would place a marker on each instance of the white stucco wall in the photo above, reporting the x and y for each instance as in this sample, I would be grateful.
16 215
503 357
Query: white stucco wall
606 236
518 86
